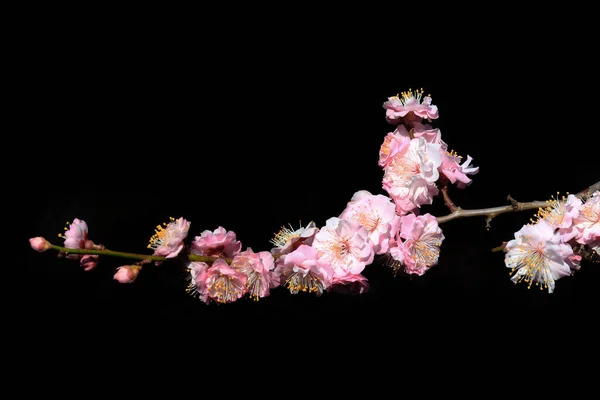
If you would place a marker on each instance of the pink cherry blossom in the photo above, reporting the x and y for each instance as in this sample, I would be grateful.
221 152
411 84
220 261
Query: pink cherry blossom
303 271
422 240
127 273
39 244
76 235
377 214
395 256
219 243
399 106
394 143
456 172
198 276
430 134
168 239
288 240
537 254
225 284
350 284
560 213
345 246
587 222
258 268
410 179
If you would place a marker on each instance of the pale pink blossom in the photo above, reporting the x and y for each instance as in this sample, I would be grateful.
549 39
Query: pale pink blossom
168 239
427 132
40 244
225 284
76 235
303 271
587 222
219 243
410 179
350 284
395 256
258 268
198 276
422 240
377 214
345 246
537 254
127 273
394 143
456 172
560 214
289 239
399 106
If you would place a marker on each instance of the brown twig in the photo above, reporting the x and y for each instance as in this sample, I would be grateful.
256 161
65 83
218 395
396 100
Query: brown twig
492 212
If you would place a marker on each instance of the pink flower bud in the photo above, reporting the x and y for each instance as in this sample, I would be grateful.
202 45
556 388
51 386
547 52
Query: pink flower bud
39 244
127 273
89 262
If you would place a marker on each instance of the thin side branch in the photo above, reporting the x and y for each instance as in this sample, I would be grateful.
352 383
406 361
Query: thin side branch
448 201
492 212
135 256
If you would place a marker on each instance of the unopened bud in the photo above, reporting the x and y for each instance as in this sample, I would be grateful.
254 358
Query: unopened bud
40 244
127 273
89 262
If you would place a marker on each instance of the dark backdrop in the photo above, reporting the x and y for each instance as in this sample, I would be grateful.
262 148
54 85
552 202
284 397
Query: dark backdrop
252 135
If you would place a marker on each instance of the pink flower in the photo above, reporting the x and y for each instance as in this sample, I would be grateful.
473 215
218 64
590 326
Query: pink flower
304 271
560 213
198 276
394 143
288 240
430 134
587 222
76 235
168 239
426 131
422 240
225 284
536 254
395 257
399 106
40 244
410 178
219 243
258 268
456 172
377 214
127 273
350 284
344 246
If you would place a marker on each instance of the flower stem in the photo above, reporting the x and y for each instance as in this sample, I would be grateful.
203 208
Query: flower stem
106 252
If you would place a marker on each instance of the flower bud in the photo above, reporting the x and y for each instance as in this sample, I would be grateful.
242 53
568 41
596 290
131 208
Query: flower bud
89 262
127 273
39 244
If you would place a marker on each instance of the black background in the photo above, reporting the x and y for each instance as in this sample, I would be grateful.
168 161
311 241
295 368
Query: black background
260 126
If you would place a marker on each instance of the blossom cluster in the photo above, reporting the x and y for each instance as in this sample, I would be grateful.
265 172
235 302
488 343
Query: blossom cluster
416 164
549 247
331 257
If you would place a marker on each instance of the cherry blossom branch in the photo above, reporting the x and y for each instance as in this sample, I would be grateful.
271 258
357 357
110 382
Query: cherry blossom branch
490 213
135 256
